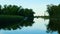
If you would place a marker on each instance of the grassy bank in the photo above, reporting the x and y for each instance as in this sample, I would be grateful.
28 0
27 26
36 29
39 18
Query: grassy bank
10 18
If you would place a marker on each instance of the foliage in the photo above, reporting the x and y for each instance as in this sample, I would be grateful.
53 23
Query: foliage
54 14
15 10
54 11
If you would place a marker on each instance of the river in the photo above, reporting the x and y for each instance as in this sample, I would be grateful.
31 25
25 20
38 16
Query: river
39 27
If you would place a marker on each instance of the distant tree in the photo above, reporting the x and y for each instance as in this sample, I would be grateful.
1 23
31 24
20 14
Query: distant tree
16 10
10 10
53 10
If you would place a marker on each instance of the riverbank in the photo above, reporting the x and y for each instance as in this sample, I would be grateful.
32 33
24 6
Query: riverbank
45 17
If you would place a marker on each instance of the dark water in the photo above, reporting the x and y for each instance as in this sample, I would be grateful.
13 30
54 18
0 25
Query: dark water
38 27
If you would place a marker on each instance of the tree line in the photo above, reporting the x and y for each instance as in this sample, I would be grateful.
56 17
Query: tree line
15 10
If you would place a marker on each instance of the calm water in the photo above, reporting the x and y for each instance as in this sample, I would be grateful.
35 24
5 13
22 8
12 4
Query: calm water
39 27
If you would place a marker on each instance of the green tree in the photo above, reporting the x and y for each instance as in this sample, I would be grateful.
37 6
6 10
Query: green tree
54 14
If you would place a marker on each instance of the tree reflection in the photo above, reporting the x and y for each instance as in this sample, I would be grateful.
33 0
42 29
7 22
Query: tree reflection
54 25
14 23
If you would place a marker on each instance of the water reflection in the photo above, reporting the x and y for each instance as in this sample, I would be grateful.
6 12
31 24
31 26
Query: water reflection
15 23
54 25
38 27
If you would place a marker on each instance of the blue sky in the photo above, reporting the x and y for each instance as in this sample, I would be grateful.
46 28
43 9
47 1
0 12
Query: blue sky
38 6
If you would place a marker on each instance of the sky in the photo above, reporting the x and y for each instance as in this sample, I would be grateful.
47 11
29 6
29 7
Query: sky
38 6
